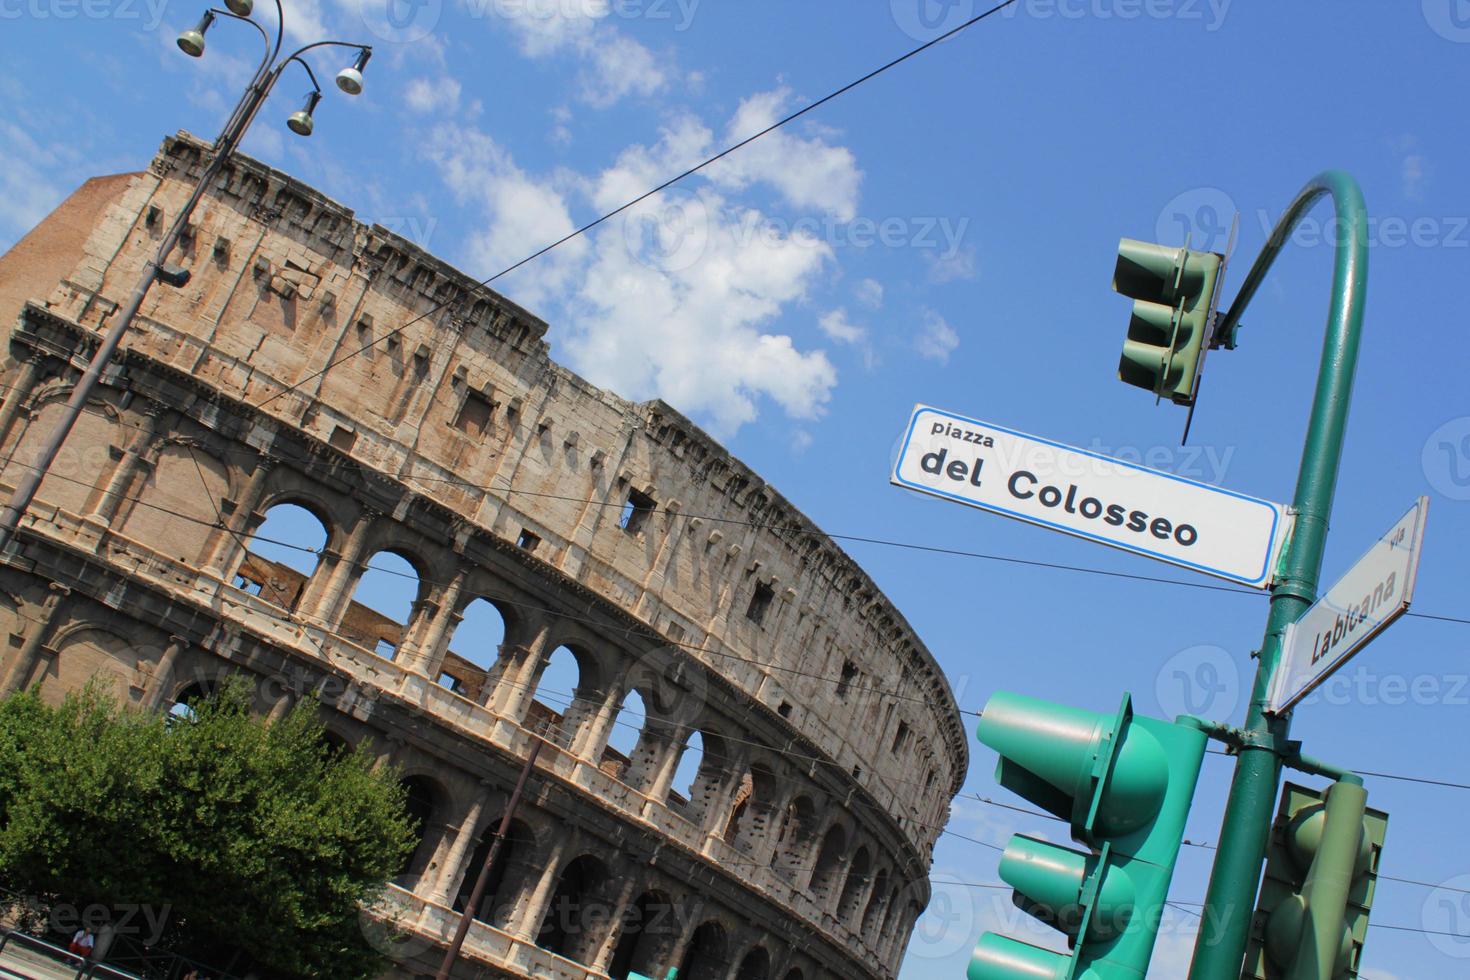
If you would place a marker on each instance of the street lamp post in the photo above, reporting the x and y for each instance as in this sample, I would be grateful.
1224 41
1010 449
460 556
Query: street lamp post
192 43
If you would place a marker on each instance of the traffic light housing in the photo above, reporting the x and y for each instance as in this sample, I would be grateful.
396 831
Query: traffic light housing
1174 292
1321 873
1125 784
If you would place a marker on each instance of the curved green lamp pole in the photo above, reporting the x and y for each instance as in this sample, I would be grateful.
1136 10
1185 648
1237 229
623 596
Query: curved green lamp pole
192 43
1225 927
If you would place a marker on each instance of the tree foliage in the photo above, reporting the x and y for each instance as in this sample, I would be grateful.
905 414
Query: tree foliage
255 838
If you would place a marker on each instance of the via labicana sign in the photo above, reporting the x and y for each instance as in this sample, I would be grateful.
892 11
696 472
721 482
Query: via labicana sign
1110 501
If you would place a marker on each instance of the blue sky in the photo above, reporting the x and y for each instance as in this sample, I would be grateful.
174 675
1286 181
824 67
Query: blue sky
944 234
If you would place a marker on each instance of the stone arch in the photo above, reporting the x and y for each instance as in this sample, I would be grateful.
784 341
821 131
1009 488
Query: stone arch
707 957
877 904
85 456
87 653
472 658
178 507
572 926
385 600
859 873
703 780
567 687
890 918
424 799
827 870
794 974
756 965
283 554
796 838
649 931
285 486
753 812
515 868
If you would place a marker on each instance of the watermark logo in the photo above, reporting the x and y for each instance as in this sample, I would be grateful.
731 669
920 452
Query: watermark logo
401 21
1450 19
669 232
924 20
1446 917
1200 680
1446 458
1200 216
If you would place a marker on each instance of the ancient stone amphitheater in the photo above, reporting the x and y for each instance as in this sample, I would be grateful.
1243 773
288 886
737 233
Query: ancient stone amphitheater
700 609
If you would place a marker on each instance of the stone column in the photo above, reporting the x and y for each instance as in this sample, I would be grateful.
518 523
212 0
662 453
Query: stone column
602 956
19 392
664 770
30 649
462 847
518 683
238 525
330 599
163 674
424 655
598 724
526 921
106 507
686 935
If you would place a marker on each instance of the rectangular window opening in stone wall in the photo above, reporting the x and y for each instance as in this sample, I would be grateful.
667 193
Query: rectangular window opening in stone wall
901 737
849 674
760 601
636 510
528 541
474 415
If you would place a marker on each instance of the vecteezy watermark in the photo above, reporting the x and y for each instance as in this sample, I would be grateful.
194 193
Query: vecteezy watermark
669 232
417 229
1363 685
1207 464
924 20
1446 917
143 922
150 12
1202 216
679 13
1450 19
1200 680
1446 458
401 21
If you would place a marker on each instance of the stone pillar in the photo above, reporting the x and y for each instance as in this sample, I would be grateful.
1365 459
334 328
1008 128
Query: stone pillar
30 649
598 724
241 523
163 674
717 811
690 924
19 392
663 772
517 684
331 597
106 506
424 652
459 851
525 922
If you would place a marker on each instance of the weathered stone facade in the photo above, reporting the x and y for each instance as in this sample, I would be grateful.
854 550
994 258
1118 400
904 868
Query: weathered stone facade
831 742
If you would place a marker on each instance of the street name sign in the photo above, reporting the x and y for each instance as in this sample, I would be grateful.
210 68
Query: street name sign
1110 501
1371 595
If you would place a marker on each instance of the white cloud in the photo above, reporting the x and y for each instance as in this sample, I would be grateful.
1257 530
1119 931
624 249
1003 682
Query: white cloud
937 339
837 326
870 293
28 190
808 172
951 265
614 65
437 95
1413 176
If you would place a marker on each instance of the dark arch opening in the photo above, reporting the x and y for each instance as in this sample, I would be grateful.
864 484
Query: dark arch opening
650 930
755 966
503 885
706 958
798 825
570 927
421 800
873 917
858 872
829 861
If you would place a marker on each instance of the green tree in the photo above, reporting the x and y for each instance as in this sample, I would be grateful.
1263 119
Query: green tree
256 838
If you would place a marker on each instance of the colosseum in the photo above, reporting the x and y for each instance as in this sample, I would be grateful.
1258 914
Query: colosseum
699 610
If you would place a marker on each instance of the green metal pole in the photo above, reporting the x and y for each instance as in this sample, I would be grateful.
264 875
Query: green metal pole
1225 927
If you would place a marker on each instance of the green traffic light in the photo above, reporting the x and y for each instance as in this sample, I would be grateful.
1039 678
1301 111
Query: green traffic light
1125 783
1174 292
